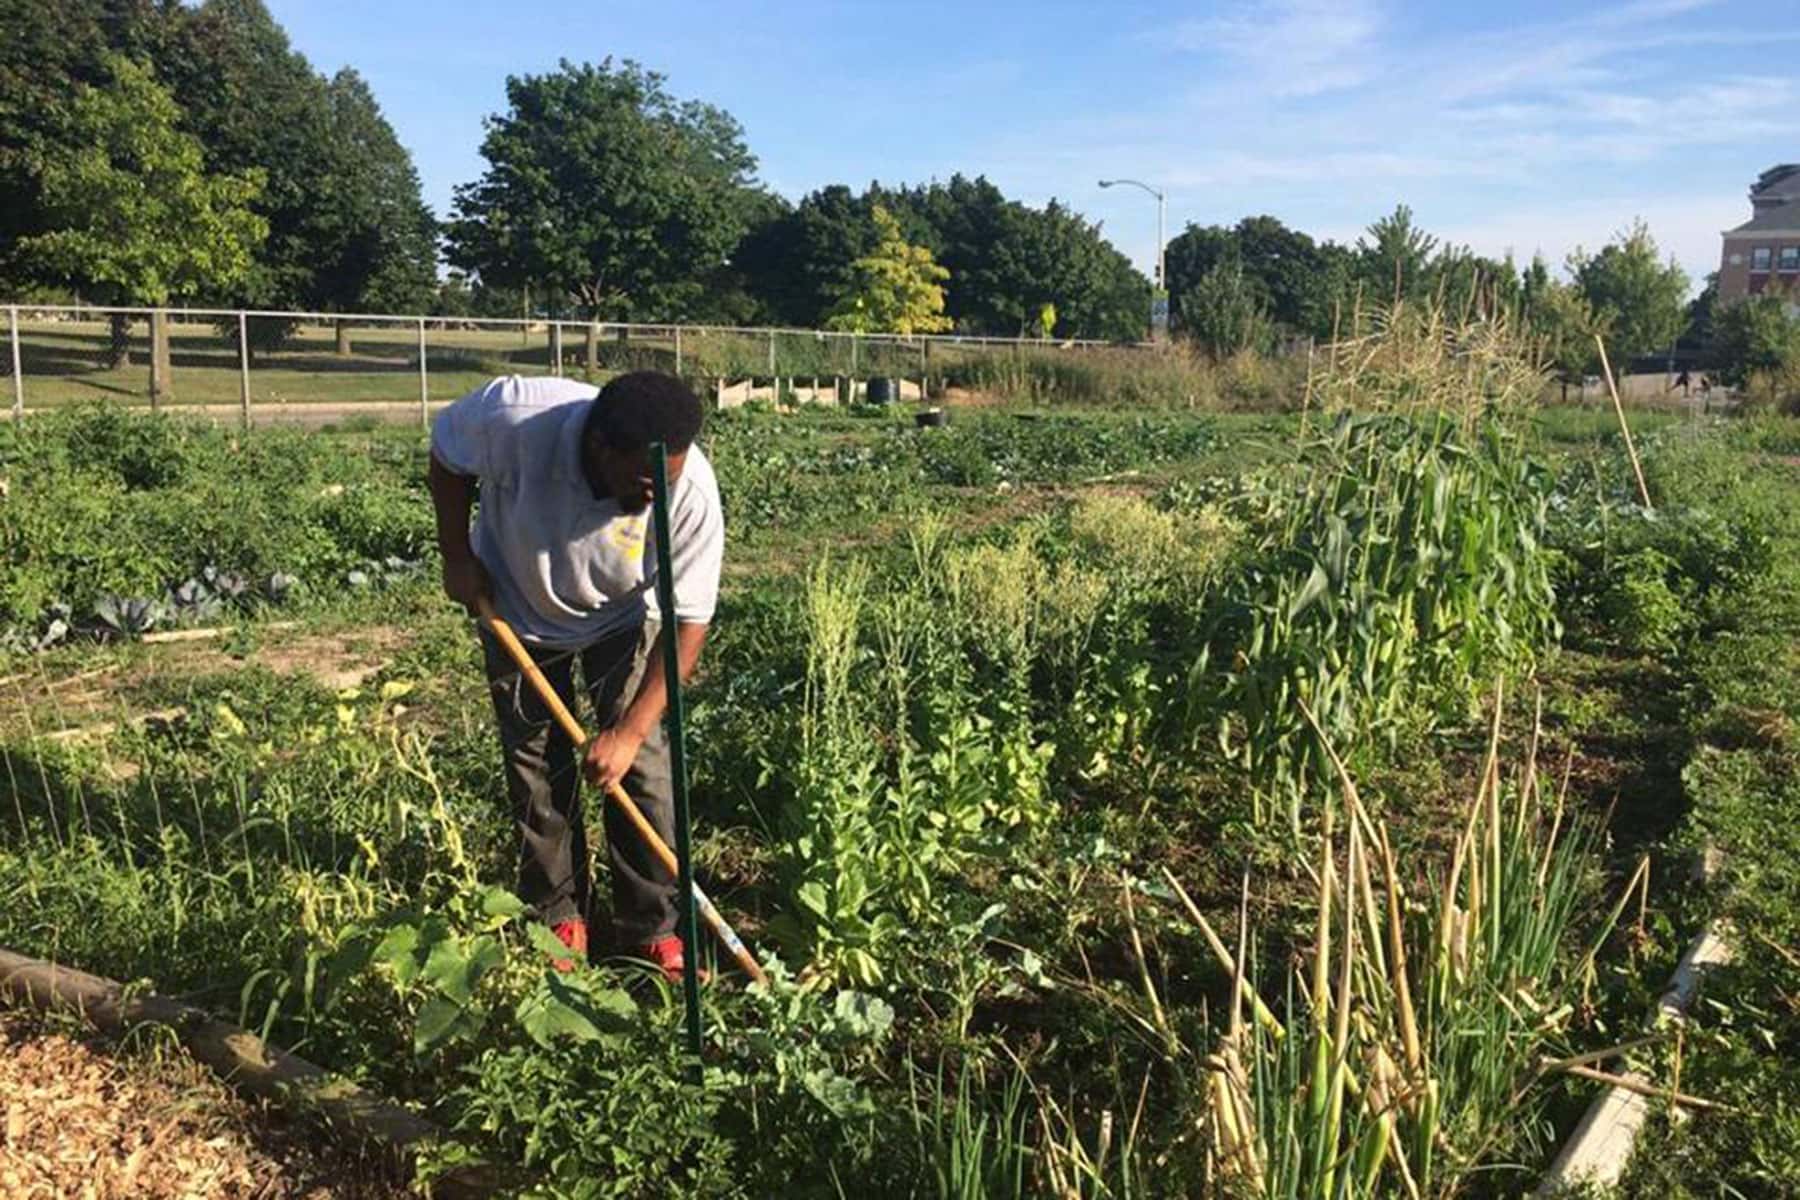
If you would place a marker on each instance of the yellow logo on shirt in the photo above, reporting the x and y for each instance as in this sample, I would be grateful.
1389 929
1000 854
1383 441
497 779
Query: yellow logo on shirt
626 535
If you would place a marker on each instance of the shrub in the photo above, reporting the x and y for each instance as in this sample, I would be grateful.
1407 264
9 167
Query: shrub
1645 604
104 502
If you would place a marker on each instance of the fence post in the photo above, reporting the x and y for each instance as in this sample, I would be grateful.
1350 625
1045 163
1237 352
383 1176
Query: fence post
853 345
771 351
556 348
12 313
678 350
243 369
160 382
424 386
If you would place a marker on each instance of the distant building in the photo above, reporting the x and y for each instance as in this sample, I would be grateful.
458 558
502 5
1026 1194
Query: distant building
1764 252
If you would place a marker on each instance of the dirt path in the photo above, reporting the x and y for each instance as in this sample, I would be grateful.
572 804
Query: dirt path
77 1121
90 700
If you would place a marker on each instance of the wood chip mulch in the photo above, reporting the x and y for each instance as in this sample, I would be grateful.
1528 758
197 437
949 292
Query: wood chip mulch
78 1123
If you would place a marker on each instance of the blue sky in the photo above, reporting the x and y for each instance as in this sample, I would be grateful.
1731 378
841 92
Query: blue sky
1523 126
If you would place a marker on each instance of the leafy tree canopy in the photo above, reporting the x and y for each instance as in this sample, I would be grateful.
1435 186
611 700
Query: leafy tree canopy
377 246
895 288
1640 295
346 226
133 215
1007 260
605 188
1757 333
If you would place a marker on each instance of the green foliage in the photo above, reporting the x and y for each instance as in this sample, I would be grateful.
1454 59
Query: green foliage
604 188
103 502
134 217
1006 259
1639 297
1565 325
1647 583
1224 316
895 288
1740 782
49 52
1759 333
1296 280
1449 1032
1402 569
347 227
1644 606
375 240
1394 258
929 765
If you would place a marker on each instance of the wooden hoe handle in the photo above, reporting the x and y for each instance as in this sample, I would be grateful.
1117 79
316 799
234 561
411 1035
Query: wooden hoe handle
503 633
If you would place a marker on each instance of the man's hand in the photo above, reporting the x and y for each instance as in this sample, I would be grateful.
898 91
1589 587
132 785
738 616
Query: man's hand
609 755
465 580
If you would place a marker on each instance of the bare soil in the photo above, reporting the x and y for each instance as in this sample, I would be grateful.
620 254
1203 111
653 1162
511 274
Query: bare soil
89 701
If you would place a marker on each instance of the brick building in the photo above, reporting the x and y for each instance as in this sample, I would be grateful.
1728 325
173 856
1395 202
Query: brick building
1764 252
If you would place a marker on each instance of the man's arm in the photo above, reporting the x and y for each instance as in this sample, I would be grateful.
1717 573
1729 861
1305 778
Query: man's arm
613 750
453 498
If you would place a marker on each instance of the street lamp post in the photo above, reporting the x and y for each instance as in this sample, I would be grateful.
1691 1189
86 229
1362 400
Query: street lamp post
1162 281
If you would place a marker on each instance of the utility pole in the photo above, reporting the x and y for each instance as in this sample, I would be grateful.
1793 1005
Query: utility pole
1159 302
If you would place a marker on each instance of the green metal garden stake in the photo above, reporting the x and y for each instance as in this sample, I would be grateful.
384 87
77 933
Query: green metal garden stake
665 603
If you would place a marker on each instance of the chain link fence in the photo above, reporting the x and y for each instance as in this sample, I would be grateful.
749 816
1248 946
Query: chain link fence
321 368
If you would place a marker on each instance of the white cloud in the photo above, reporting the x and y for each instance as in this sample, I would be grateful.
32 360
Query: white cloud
1535 135
1293 47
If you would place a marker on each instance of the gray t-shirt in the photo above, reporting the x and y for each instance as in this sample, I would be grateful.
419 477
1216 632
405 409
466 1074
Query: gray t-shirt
567 568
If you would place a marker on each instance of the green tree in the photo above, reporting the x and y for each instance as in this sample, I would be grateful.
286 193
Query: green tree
1640 296
134 217
1225 313
896 288
1051 255
1697 330
1565 325
1474 285
1534 285
1006 259
1299 282
376 247
1756 334
348 229
1395 258
257 104
47 52
604 188
797 261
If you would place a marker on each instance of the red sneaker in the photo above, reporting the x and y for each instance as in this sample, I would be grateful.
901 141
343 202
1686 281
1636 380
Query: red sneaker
666 953
573 934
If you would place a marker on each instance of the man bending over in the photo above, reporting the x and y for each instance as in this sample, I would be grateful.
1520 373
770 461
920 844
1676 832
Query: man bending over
563 546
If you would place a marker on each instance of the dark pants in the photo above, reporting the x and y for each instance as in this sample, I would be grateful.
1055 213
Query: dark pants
543 780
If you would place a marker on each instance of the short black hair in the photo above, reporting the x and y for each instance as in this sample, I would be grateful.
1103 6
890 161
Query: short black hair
642 407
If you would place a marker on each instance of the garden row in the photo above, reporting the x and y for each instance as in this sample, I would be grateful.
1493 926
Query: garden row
1131 799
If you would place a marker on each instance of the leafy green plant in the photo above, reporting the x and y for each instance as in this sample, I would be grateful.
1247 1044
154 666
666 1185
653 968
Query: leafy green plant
1404 566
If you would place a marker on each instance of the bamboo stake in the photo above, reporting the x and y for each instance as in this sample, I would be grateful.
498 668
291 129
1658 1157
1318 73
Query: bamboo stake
1650 1090
1631 449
